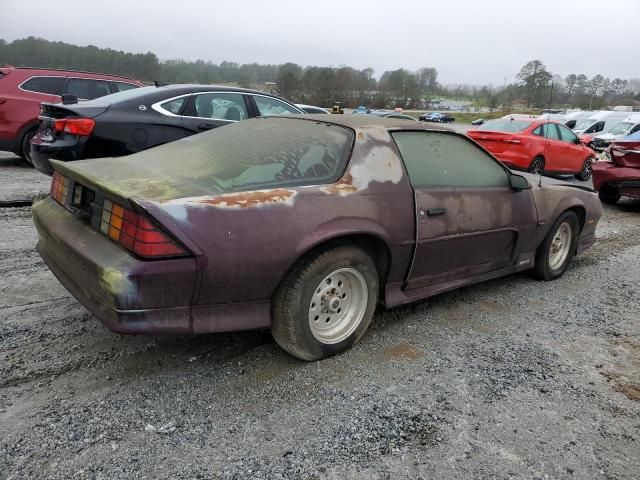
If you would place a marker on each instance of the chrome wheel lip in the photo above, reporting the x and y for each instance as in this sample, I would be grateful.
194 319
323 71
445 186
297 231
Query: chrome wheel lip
338 305
560 245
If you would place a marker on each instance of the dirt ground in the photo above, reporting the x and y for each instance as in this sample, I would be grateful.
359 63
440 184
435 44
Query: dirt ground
513 378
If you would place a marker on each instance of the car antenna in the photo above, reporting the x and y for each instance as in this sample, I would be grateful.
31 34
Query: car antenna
545 133
160 83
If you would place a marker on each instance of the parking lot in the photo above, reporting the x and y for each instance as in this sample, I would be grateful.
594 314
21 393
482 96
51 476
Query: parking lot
512 378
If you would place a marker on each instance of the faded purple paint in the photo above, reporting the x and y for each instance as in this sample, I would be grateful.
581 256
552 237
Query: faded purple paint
245 243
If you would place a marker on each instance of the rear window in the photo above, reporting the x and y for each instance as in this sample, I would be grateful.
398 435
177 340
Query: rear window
123 87
48 85
250 155
505 125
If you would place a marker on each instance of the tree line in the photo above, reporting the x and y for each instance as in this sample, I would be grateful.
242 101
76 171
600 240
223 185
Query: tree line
326 85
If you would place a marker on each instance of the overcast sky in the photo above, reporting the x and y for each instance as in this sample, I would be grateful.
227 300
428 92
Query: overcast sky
468 41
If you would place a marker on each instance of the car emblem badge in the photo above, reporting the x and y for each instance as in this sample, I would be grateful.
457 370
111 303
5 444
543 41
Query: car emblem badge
142 107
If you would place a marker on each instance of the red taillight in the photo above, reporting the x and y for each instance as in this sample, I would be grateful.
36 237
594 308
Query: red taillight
81 127
59 187
136 233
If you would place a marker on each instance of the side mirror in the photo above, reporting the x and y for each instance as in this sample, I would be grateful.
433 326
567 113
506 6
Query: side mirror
69 99
578 141
518 182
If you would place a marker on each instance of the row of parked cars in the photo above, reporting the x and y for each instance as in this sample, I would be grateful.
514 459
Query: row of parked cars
297 223
573 144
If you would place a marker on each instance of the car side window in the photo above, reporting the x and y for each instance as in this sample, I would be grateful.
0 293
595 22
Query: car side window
596 127
174 106
221 106
268 106
122 86
87 89
550 131
48 85
566 135
436 159
538 131
634 129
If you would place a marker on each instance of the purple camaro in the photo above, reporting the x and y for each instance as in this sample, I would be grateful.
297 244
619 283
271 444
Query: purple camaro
299 224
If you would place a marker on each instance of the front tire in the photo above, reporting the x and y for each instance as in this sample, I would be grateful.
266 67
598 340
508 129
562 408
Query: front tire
558 247
585 173
609 195
326 303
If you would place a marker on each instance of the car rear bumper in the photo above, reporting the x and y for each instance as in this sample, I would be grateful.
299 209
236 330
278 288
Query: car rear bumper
623 178
127 294
514 160
66 151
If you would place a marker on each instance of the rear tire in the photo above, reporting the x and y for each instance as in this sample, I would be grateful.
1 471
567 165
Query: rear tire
537 165
609 195
558 247
326 303
25 145
585 173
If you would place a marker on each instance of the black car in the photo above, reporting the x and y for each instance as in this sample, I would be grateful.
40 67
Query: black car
131 121
478 121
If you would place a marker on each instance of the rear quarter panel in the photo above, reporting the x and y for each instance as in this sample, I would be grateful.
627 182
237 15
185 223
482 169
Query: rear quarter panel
250 240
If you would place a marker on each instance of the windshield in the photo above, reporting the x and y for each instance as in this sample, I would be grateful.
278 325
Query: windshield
621 128
584 124
505 125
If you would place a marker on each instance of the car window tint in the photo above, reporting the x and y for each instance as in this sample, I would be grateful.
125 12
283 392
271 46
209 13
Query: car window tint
550 131
50 85
123 87
635 129
268 106
221 106
596 127
566 134
446 160
174 106
87 89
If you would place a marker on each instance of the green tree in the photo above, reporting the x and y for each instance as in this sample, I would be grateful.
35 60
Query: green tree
535 79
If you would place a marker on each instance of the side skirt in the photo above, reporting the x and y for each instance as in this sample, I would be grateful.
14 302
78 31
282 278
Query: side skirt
395 295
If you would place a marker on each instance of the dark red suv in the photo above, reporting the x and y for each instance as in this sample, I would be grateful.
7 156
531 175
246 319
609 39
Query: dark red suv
23 89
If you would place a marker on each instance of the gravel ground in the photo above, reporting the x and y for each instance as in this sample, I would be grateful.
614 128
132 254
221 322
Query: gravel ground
513 378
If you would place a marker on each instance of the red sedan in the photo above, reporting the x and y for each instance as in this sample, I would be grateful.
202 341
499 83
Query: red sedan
535 146
621 175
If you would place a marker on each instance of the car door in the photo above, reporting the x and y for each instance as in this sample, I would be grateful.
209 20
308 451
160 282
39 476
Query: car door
468 218
208 110
555 152
574 155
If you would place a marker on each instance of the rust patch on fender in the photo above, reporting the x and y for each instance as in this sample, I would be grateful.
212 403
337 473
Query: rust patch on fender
341 187
249 199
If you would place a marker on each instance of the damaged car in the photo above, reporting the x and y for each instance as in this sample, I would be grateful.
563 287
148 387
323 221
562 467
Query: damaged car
620 175
300 224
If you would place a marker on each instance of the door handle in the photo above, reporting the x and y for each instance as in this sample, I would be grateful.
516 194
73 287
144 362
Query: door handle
432 212
206 126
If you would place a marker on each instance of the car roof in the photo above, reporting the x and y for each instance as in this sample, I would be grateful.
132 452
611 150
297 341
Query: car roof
45 71
364 121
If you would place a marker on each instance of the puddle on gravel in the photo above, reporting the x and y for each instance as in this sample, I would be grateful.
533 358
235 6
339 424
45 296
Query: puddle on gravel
403 351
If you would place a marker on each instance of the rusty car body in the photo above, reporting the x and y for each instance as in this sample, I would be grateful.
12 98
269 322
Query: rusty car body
240 257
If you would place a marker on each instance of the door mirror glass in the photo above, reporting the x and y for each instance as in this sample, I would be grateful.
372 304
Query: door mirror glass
518 182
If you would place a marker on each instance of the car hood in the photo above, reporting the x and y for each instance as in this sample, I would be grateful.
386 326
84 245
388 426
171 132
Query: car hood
606 136
538 182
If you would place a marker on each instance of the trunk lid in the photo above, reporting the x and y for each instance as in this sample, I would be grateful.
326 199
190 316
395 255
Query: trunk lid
50 112
626 154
